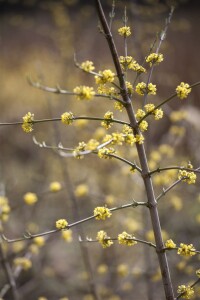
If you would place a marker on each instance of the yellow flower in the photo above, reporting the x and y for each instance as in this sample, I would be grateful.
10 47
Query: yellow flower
55 186
142 89
39 241
186 250
67 235
143 125
126 239
77 151
170 244
67 118
102 212
140 113
183 90
186 292
81 190
30 198
104 77
124 31
28 121
158 113
117 138
154 58
139 139
106 90
198 273
4 209
84 92
92 144
87 66
149 107
103 239
23 262
118 106
61 224
108 117
129 87
189 177
105 152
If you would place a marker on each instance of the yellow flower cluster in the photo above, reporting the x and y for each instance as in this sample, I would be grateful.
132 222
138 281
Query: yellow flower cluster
187 292
126 239
67 235
105 152
139 139
142 89
186 250
117 138
129 136
150 108
183 90
127 62
189 177
80 148
143 125
23 262
106 90
67 118
103 239
102 212
198 273
39 241
154 58
129 87
92 144
104 77
28 121
87 66
81 190
170 244
108 117
55 186
61 224
84 92
30 198
124 31
4 208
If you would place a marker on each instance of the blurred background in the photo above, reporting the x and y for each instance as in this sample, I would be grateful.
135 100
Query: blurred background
39 39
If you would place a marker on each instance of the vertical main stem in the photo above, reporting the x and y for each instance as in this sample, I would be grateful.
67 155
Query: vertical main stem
143 160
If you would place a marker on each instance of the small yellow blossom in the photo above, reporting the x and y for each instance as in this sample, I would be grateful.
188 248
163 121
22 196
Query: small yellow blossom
187 292
106 90
139 138
81 123
105 152
77 151
61 224
122 270
154 58
67 235
39 241
104 77
149 107
158 113
110 199
102 212
143 125
118 106
131 139
117 138
108 117
92 144
124 31
81 190
170 244
102 269
84 92
142 89
140 113
23 262
87 66
28 121
30 198
127 129
129 87
138 68
67 118
103 239
186 250
126 62
183 90
4 208
126 239
189 177
55 186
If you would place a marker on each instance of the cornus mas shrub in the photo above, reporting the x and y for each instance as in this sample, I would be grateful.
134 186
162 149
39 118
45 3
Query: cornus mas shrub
121 83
